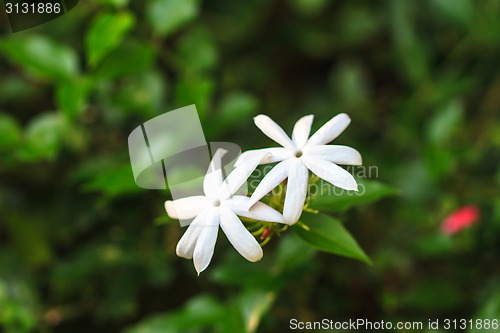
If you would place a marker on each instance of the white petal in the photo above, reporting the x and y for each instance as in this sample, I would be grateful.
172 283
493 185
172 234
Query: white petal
239 236
331 173
186 208
187 243
277 154
213 178
335 154
301 130
272 130
240 175
259 210
247 156
270 181
205 245
330 130
296 191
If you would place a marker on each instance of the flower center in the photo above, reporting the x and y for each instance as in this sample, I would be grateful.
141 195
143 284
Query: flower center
298 153
216 203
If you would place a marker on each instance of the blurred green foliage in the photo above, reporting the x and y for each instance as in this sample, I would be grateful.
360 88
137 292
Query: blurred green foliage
82 249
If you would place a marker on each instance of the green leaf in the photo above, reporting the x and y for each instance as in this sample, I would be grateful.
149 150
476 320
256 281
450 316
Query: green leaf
15 88
197 51
411 50
71 97
460 12
113 181
115 3
434 245
440 161
357 25
11 132
254 305
43 137
41 56
234 108
130 57
490 309
234 270
349 83
195 90
335 199
309 7
105 33
18 296
328 234
292 252
446 121
143 94
232 321
34 246
431 293
166 16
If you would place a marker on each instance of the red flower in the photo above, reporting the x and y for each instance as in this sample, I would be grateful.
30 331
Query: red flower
267 233
460 219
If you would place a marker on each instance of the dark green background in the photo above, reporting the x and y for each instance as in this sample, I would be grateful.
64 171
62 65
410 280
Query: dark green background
83 249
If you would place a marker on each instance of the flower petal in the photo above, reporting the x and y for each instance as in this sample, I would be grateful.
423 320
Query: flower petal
204 250
301 130
186 208
277 154
331 172
335 154
296 191
213 178
239 175
272 130
239 236
270 181
187 243
330 130
259 211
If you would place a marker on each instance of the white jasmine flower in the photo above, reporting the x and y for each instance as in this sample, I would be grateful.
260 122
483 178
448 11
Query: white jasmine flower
219 206
300 154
